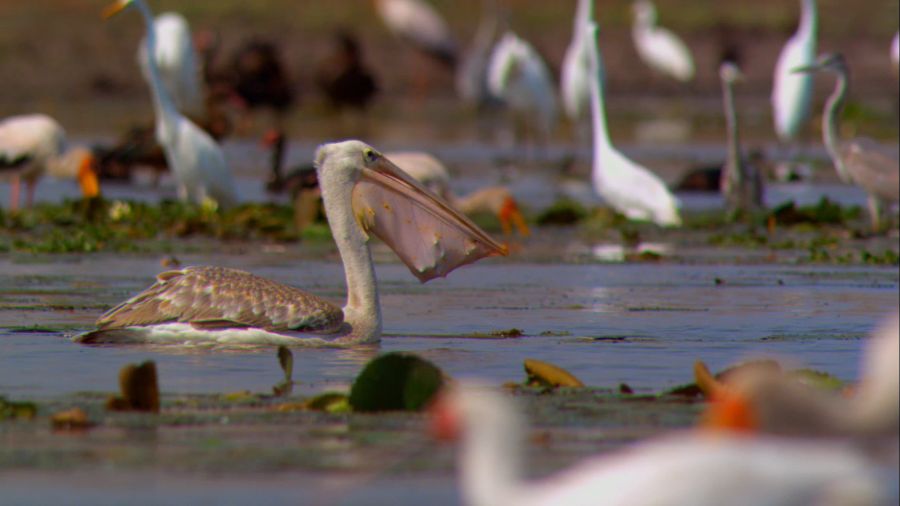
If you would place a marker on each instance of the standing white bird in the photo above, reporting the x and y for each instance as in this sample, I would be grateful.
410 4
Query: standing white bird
741 183
660 49
364 194
575 83
471 75
518 75
176 61
895 51
417 23
33 146
196 160
792 93
698 469
626 186
860 161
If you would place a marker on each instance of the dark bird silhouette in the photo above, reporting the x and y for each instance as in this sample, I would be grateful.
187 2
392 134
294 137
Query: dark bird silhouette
343 78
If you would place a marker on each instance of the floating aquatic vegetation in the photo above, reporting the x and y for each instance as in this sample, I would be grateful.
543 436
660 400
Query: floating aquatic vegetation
543 374
139 389
10 410
825 212
562 212
395 382
71 419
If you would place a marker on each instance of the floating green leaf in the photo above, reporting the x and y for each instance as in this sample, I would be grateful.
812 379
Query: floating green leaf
395 382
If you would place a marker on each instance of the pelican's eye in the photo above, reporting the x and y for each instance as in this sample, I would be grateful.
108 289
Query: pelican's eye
370 155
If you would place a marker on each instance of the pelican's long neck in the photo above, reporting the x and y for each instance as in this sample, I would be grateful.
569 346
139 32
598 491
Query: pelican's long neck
831 122
166 111
602 141
734 151
362 311
490 461
809 20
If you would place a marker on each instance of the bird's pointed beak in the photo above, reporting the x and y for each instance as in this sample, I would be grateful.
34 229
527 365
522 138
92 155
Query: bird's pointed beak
428 235
728 409
510 215
87 177
114 8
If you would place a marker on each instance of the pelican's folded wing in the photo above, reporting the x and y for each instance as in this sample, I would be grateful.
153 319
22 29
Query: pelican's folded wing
215 297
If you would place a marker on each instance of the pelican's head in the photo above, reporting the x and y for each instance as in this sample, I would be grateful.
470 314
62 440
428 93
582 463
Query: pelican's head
644 12
428 235
833 62
115 8
730 73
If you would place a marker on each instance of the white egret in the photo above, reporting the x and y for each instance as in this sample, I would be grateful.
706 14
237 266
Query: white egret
741 183
696 468
32 146
626 186
417 23
575 81
364 194
176 61
519 76
661 49
860 161
196 160
791 92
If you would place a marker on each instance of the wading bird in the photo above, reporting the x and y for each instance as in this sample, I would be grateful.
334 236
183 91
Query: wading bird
518 75
364 194
626 186
343 77
575 81
700 468
660 49
196 160
33 146
176 61
860 161
417 23
792 93
471 75
741 183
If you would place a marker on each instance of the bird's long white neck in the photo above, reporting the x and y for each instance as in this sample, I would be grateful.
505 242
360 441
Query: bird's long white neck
490 462
166 111
831 122
363 310
584 13
809 18
734 154
602 141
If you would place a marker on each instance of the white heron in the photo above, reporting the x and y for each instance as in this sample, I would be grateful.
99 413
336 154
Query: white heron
520 77
741 183
661 49
698 468
364 194
575 81
626 186
177 62
860 161
196 160
419 24
791 92
34 145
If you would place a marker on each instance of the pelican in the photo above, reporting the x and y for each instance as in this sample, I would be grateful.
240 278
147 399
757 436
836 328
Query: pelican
658 47
792 93
518 75
740 182
32 146
364 194
626 186
874 168
471 75
433 174
575 83
176 61
417 23
773 403
700 469
196 160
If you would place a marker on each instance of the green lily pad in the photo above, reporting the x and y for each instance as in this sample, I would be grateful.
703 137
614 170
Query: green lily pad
17 410
548 375
330 402
395 382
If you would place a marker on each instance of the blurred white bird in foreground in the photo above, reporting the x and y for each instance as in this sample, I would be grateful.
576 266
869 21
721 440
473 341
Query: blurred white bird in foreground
196 160
792 93
658 47
624 185
699 469
176 61
518 75
33 146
